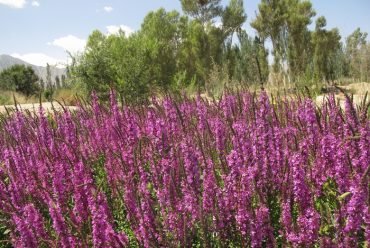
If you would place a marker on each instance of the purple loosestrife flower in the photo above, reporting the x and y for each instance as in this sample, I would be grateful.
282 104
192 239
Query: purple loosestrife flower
326 242
171 115
209 188
351 114
364 145
342 169
36 221
367 223
355 211
201 111
102 231
262 142
307 116
130 198
351 126
147 227
261 230
309 224
60 225
221 170
228 105
323 166
61 182
300 189
286 217
231 182
192 170
239 140
220 134
15 186
95 104
26 236
81 184
334 112
244 211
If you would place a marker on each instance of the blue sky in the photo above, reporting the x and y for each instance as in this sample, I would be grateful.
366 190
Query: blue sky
40 31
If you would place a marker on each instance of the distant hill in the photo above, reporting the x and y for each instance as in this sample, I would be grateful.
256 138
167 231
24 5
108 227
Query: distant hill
7 61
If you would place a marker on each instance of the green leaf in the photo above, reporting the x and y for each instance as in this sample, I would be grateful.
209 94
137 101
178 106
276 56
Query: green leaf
343 196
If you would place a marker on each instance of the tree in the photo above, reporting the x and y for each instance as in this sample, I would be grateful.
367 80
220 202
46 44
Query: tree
326 43
64 81
194 59
233 18
299 51
285 23
355 50
94 68
270 23
202 10
161 35
19 78
48 75
57 82
251 63
49 91
42 83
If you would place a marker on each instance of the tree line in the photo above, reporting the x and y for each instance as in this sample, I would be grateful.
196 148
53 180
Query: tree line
207 47
23 79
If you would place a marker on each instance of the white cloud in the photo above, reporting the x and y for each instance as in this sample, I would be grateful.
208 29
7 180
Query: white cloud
18 4
39 59
70 43
114 30
108 9
35 4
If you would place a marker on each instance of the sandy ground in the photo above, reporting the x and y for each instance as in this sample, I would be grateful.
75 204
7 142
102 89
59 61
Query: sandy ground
358 89
33 107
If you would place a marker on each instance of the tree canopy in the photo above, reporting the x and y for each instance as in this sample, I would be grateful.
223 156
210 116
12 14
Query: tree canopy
172 51
19 78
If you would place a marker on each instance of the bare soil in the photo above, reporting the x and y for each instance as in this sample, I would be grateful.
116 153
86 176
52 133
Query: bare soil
34 107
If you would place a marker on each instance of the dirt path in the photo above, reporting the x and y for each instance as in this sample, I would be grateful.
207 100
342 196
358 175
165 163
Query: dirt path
358 89
33 107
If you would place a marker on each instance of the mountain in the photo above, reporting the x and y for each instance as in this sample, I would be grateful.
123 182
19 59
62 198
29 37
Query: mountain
7 61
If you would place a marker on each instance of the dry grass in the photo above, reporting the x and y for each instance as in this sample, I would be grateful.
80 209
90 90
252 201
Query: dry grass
358 88
8 97
67 96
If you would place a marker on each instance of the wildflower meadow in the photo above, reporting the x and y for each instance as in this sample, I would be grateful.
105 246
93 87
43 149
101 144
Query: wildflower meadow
247 170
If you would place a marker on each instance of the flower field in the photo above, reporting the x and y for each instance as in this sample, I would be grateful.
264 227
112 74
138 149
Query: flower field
245 171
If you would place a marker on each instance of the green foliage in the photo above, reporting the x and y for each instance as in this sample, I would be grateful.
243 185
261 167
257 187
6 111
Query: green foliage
5 99
326 43
169 52
270 23
203 10
4 236
358 55
251 63
48 94
161 35
94 66
233 17
174 52
19 78
327 204
285 23
298 50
